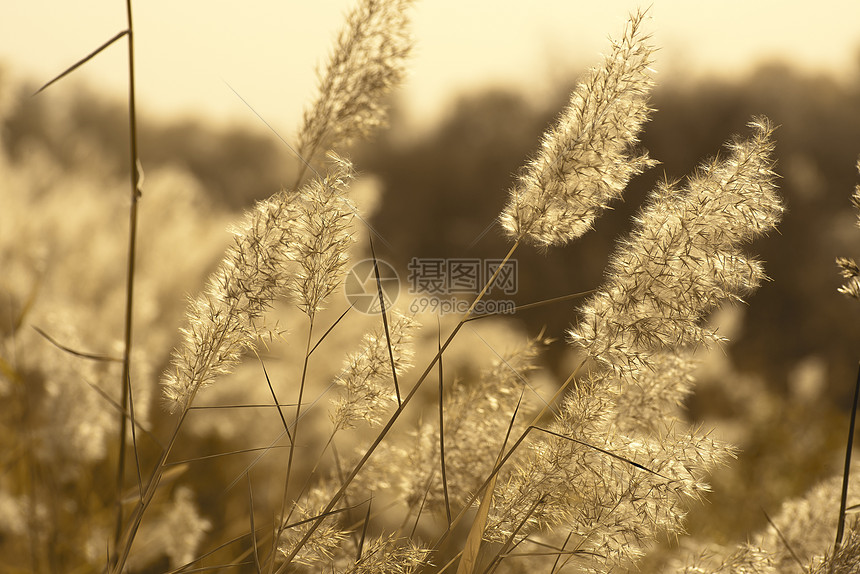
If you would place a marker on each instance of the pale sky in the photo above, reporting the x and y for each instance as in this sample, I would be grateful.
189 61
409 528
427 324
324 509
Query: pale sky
267 50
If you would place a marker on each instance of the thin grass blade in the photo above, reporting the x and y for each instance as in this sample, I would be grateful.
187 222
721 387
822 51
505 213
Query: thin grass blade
385 321
82 61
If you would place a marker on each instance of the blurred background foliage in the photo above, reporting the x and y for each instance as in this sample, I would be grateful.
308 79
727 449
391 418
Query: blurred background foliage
783 389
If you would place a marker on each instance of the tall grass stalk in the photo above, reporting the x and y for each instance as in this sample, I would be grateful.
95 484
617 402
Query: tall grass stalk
127 400
126 404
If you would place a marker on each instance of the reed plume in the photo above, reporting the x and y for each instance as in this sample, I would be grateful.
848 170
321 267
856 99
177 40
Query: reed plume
367 62
684 258
388 553
607 466
322 234
327 539
605 478
587 158
847 266
367 377
308 229
798 538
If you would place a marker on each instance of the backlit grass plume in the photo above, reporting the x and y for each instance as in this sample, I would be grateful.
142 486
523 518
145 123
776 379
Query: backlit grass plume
684 258
477 412
292 243
608 483
387 553
587 158
366 64
617 466
847 266
322 236
799 538
327 540
368 389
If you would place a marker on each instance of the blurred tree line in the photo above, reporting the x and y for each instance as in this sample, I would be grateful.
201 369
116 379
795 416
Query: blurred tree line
443 189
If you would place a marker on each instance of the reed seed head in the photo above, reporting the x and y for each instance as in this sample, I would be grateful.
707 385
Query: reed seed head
589 155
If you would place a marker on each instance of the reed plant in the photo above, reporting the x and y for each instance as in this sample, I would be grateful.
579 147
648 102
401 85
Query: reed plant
367 466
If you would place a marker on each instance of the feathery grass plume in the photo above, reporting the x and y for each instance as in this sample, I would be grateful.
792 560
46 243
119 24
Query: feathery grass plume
847 266
223 322
799 538
176 533
746 559
845 559
655 395
850 271
323 236
387 553
477 412
185 528
587 158
367 378
366 64
683 258
477 416
807 523
611 507
70 430
327 540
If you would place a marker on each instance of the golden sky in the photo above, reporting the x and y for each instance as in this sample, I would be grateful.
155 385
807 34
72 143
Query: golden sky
189 50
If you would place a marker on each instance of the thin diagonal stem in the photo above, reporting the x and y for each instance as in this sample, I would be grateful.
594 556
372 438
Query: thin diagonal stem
784 541
536 304
442 429
298 408
81 354
293 444
382 311
86 58
253 528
